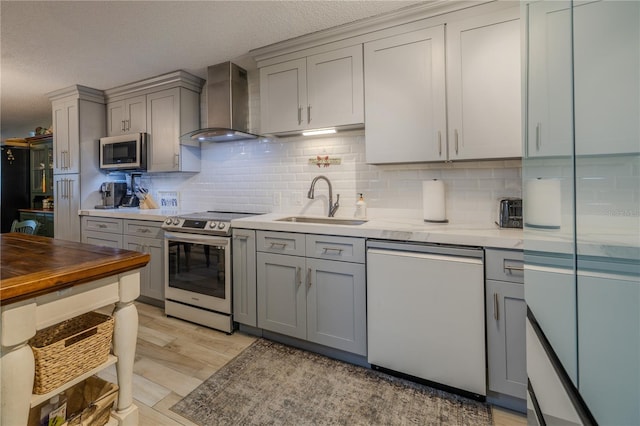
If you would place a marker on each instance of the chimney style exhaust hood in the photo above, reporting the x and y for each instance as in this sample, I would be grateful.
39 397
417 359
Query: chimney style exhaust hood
227 106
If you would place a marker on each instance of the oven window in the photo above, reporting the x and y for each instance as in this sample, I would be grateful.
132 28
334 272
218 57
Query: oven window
198 268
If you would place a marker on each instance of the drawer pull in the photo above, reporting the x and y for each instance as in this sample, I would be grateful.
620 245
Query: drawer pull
496 314
143 230
275 244
102 225
326 250
510 269
240 237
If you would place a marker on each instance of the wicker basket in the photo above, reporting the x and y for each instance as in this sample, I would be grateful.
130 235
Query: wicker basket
69 349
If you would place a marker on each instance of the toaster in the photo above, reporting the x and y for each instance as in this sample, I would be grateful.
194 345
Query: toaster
510 213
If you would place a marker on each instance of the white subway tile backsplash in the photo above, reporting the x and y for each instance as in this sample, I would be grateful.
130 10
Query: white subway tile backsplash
245 177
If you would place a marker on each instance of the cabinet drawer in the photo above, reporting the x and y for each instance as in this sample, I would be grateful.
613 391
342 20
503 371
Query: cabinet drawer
336 248
102 224
280 242
106 239
505 265
143 228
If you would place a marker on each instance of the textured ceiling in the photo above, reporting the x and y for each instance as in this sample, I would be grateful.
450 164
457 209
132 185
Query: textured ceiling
49 45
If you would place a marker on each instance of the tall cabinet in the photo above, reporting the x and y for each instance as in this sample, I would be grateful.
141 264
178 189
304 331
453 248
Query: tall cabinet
78 124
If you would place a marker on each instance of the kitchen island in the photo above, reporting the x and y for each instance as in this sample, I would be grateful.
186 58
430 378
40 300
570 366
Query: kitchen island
45 281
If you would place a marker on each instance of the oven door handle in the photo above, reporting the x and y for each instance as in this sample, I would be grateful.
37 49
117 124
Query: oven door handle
196 239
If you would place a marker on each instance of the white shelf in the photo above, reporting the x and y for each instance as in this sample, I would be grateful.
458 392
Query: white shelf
38 399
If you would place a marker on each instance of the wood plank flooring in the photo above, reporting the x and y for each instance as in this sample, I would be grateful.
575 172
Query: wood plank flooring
173 357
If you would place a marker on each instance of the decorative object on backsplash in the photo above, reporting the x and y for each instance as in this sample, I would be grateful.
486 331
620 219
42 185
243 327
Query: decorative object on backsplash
325 161
169 199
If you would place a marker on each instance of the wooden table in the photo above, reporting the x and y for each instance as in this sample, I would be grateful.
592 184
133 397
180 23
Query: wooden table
44 281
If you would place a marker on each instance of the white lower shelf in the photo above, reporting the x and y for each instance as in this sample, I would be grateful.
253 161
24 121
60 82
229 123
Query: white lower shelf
38 399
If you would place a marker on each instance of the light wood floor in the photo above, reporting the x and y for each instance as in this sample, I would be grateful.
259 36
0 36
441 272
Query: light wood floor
173 357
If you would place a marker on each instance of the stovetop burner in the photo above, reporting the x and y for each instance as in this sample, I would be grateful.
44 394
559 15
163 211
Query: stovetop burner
209 222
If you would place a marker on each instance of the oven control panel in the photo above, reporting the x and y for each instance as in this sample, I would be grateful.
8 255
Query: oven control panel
199 226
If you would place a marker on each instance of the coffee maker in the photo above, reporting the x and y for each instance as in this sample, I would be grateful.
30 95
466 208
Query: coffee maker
112 194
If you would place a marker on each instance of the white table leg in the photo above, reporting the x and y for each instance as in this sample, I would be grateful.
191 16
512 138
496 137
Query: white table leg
17 370
124 347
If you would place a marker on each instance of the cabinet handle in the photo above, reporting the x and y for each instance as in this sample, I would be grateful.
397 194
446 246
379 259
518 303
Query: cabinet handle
128 124
281 245
496 314
101 225
299 275
538 137
456 141
326 250
308 113
240 237
70 183
177 161
509 268
439 143
144 230
122 125
309 276
299 115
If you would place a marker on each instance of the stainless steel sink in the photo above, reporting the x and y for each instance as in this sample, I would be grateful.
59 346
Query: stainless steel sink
322 220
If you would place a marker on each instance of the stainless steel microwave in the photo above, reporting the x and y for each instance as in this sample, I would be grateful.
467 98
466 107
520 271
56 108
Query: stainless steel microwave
124 152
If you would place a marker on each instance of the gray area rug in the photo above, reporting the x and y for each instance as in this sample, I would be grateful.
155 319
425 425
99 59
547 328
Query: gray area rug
273 384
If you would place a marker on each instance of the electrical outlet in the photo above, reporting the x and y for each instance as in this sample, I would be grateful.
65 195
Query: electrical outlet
276 198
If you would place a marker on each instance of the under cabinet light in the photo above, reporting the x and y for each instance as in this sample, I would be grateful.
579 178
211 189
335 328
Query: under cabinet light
318 132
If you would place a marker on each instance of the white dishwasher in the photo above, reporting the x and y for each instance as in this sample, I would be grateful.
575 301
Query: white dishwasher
425 313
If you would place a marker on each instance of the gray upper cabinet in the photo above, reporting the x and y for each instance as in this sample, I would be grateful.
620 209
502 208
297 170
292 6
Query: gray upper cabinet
166 106
549 85
428 99
506 316
405 113
171 113
127 116
322 90
484 86
317 292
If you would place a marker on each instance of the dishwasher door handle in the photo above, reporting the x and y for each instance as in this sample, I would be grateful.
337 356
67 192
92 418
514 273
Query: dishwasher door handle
427 256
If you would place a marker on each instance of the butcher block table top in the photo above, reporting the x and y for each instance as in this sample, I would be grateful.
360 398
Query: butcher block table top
31 265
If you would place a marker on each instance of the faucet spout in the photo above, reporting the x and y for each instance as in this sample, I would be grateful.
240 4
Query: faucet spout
311 194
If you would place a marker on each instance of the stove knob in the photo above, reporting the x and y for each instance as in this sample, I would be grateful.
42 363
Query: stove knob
221 225
212 224
176 221
168 221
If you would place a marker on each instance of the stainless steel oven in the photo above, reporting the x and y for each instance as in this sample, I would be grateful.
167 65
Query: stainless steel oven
198 268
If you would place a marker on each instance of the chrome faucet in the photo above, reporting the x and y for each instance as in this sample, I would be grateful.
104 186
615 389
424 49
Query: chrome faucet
332 207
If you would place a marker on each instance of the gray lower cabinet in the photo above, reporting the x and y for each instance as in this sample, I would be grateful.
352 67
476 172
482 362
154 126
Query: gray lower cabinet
506 323
137 235
315 292
244 277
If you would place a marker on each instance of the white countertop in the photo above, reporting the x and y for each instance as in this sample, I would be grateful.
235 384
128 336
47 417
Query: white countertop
156 215
400 229
613 243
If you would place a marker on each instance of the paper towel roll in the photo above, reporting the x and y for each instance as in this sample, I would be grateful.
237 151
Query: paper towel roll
433 201
542 203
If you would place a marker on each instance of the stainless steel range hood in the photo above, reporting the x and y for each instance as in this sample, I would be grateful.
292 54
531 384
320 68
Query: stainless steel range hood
227 106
